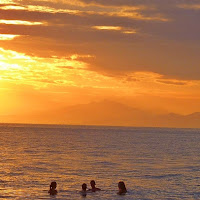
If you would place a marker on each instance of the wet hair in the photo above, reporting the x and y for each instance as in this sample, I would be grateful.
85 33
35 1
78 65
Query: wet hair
53 190
84 186
121 186
92 182
53 185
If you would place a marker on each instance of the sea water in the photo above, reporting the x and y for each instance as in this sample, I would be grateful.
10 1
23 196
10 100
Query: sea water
154 163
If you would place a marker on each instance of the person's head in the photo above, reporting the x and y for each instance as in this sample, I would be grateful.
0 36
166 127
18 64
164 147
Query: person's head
92 183
84 186
121 186
53 185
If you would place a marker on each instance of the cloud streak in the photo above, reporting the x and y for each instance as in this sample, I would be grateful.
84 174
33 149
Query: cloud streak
7 36
19 22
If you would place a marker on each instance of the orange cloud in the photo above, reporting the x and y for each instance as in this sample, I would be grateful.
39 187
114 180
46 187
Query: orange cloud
190 6
83 9
13 7
20 22
111 28
72 71
174 82
7 36
7 2
115 28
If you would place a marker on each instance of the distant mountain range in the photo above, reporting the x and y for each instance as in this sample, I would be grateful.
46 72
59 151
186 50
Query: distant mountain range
111 113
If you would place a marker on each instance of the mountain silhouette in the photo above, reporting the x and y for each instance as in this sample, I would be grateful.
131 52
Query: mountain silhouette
110 113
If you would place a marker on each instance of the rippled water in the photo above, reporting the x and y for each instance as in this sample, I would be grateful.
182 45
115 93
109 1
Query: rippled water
154 163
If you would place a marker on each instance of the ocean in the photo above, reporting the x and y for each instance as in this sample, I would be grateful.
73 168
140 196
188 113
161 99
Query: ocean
154 163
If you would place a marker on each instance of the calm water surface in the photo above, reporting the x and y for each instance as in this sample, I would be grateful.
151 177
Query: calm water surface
155 163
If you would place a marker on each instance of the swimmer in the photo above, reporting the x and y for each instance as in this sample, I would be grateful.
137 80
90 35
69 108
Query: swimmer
94 188
122 188
84 190
52 190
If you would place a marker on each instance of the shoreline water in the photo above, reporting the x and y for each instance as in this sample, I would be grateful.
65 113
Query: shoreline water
88 126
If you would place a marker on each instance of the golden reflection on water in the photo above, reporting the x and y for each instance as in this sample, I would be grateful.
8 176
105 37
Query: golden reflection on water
35 156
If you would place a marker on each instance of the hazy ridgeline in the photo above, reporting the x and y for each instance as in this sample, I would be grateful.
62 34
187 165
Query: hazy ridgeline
155 163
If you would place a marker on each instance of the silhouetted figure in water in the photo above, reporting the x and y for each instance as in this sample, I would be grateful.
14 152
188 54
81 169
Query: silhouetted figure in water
94 188
52 190
84 190
122 188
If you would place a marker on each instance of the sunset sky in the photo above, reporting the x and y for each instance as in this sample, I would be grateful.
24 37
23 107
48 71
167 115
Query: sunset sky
57 53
